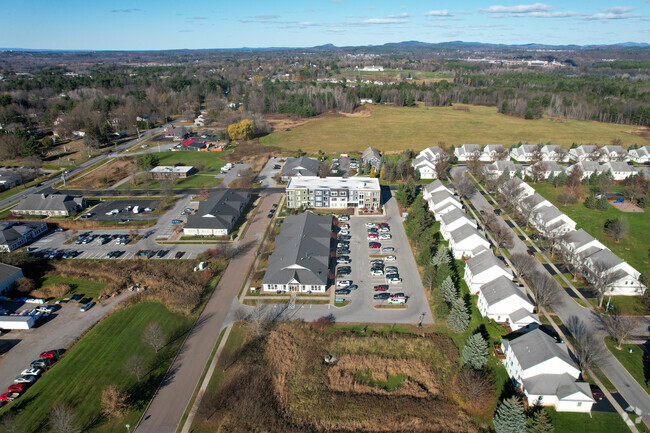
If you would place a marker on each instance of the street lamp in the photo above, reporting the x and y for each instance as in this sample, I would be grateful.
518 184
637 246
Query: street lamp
421 319
128 428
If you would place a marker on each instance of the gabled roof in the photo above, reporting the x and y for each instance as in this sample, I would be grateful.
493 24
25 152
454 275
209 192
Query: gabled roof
370 153
533 200
492 147
428 189
219 211
465 232
500 289
589 166
609 149
455 215
302 166
536 347
548 213
468 148
553 148
578 238
48 202
7 271
560 385
502 165
619 166
606 257
440 196
525 149
584 149
11 231
550 166
640 152
483 262
190 142
302 251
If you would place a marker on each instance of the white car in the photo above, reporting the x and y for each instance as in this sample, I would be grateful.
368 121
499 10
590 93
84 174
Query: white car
395 281
384 229
388 249
342 245
384 236
377 273
31 372
371 225
344 226
344 283
25 379
344 232
344 218
390 258
396 300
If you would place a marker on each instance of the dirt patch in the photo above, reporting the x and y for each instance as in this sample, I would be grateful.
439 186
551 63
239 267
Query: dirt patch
626 206
104 176
362 111
641 131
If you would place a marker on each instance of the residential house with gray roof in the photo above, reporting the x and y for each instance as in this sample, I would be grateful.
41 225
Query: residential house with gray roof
640 155
505 302
301 258
483 268
8 276
302 166
425 162
373 157
50 205
465 241
587 168
466 152
614 153
217 215
436 186
550 221
524 153
553 152
453 220
619 170
622 279
544 371
545 169
15 234
494 152
497 168
585 152
442 202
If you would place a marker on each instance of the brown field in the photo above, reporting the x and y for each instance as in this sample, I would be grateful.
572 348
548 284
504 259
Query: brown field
280 383
104 176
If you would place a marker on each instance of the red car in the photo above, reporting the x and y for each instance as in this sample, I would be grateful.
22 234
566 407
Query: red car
596 393
17 387
8 396
373 235
381 287
374 244
50 354
382 225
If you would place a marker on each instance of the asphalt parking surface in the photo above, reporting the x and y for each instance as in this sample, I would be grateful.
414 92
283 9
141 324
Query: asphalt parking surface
104 207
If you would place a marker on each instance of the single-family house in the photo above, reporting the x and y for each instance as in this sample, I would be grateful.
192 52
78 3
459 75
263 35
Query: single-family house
301 257
620 170
544 169
585 152
497 168
8 276
545 372
622 279
453 220
436 186
426 161
464 241
373 157
466 152
505 302
483 268
442 202
553 152
177 134
192 145
301 166
524 153
494 152
550 221
8 180
15 234
614 153
50 205
218 214
587 168
640 155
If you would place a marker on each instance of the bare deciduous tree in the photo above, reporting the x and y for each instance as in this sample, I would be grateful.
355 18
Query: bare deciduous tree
464 186
601 279
11 424
63 420
113 401
524 264
258 319
545 289
429 278
617 326
512 192
474 389
136 365
502 235
586 347
617 228
441 167
154 336
501 154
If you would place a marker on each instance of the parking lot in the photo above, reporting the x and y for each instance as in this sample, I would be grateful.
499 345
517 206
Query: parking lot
125 207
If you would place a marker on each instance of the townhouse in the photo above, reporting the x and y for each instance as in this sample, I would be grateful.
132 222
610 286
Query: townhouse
497 168
524 153
442 202
585 152
614 153
553 152
436 186
467 152
466 241
494 152
505 302
484 267
453 220
640 155
619 170
544 169
426 161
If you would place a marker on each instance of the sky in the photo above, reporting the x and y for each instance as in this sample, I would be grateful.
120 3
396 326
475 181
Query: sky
199 24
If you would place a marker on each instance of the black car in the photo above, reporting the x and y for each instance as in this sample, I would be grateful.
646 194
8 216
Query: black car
162 253
179 254
344 237
342 291
381 296
534 237
343 251
77 297
277 167
341 272
351 287
389 276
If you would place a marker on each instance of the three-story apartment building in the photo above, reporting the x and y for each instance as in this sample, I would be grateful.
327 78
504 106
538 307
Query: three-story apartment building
333 192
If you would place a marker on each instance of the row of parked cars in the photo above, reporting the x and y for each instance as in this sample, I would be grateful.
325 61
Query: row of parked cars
55 254
343 286
103 239
384 267
152 254
29 375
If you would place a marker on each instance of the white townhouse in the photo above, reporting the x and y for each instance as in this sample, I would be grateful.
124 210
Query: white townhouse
533 203
587 168
453 220
523 153
614 153
442 202
494 152
483 268
585 152
578 244
497 168
553 152
620 170
525 190
547 168
546 373
505 302
466 152
550 221
464 242
640 155
434 187
426 160
624 278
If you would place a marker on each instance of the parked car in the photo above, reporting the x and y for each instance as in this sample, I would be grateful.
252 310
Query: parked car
25 379
395 280
87 306
175 221
344 218
388 249
372 236
76 297
376 261
381 296
342 244
381 287
391 268
384 236
40 363
398 295
596 393
530 252
179 254
342 292
31 372
341 272
371 225
344 260
9 396
344 232
17 387
344 226
376 272
394 300
50 354
374 245
343 283
351 287
343 251
345 237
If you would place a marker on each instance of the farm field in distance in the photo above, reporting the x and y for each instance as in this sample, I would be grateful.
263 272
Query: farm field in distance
394 129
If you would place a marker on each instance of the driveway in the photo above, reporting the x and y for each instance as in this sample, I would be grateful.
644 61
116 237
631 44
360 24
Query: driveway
565 307
267 173
232 174
58 331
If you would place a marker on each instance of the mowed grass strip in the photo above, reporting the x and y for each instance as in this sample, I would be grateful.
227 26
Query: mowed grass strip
633 248
394 129
98 361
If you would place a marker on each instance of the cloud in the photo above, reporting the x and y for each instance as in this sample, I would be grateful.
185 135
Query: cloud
558 14
518 9
125 11
606 16
384 21
266 17
438 13
402 15
271 18
336 30
185 31
619 9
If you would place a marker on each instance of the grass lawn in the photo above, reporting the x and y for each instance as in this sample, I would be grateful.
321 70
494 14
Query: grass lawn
626 305
633 248
90 289
96 362
394 129
633 362
211 161
598 422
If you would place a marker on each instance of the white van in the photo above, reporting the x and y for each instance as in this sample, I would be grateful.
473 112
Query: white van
136 209
397 300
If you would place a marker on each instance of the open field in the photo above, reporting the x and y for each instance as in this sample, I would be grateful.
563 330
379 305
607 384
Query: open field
81 286
98 361
633 248
105 175
394 129
382 382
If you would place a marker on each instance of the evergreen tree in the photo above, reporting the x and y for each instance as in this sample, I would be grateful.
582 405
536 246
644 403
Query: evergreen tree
442 256
561 178
643 202
590 202
602 203
475 352
458 319
510 417
540 423
551 179
442 272
449 292
519 173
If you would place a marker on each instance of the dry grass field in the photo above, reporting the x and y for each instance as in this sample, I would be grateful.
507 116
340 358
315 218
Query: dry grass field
104 176
393 129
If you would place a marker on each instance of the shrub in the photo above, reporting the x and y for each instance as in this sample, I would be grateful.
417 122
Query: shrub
590 202
473 390
602 203
321 323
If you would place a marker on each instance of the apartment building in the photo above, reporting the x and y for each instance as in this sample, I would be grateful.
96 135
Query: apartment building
333 192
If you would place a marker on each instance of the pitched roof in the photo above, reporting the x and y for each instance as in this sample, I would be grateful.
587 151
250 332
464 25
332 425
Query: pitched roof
190 142
590 166
585 149
219 211
502 165
370 153
7 271
535 347
560 385
609 149
454 215
440 196
553 148
48 202
483 262
468 148
302 166
606 257
11 231
428 189
533 200
548 213
464 232
302 251
618 166
501 288
525 149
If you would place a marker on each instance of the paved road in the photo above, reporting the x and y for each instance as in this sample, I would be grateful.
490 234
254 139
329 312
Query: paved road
565 307
56 332
168 405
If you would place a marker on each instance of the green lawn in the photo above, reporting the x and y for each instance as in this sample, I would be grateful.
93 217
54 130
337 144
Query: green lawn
597 422
633 248
633 362
394 129
90 289
96 362
212 161
626 305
